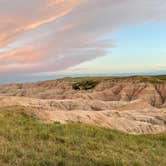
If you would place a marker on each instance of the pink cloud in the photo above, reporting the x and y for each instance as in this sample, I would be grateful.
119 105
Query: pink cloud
49 35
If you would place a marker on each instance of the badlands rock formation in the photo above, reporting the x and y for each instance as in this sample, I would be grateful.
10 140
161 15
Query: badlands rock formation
131 104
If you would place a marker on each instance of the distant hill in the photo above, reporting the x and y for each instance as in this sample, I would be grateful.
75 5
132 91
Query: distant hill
135 104
149 88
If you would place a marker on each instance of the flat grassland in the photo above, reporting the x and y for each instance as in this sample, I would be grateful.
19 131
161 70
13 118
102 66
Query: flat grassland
26 141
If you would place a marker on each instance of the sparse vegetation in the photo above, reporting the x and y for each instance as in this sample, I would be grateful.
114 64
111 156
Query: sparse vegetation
84 85
145 79
25 141
153 79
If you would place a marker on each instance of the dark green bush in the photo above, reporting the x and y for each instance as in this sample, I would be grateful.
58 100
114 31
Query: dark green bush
84 85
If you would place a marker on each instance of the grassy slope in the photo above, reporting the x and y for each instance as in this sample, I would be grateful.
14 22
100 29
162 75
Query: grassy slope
24 141
150 79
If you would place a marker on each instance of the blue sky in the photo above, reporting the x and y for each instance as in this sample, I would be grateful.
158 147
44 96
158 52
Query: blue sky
139 48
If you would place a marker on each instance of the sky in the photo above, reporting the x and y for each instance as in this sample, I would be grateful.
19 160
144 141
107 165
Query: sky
43 39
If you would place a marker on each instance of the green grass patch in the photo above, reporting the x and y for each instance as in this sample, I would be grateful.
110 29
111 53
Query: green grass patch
146 79
25 141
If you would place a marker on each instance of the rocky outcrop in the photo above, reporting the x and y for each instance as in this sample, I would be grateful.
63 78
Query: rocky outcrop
127 104
126 89
136 117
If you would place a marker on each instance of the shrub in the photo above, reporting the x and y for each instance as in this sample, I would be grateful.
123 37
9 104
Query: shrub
84 85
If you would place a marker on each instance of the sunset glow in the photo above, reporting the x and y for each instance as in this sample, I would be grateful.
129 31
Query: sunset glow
49 37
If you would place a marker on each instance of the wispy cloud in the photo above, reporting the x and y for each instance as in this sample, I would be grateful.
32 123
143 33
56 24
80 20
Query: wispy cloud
50 35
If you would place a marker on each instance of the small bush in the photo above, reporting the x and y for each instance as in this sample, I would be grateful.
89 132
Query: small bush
84 85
